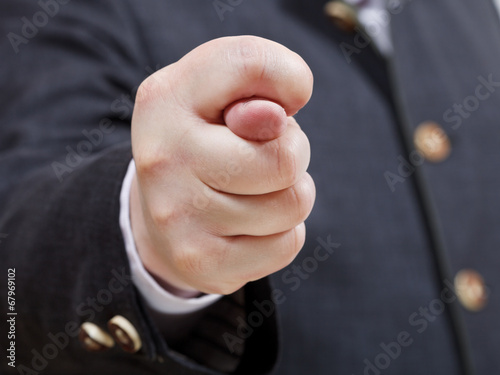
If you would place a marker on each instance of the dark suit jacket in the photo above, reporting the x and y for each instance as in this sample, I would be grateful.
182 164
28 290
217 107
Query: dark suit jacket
371 292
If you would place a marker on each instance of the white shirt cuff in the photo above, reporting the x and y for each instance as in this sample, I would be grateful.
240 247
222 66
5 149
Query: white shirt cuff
156 297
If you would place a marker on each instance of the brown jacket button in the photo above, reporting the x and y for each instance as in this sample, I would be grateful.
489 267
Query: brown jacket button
343 15
125 334
471 290
94 339
432 142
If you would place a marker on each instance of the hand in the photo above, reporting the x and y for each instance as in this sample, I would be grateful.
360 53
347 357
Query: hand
221 191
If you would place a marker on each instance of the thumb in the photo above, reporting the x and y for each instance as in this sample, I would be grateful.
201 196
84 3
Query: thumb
256 119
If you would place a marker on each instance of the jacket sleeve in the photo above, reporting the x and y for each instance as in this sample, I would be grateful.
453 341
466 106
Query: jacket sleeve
68 77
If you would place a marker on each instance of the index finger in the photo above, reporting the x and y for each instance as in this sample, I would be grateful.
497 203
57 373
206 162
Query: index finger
225 70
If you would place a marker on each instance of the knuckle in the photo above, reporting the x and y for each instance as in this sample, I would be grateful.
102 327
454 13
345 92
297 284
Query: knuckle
148 90
150 162
160 215
250 56
157 159
203 260
160 91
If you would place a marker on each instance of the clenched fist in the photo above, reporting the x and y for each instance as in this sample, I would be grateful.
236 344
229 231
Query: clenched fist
221 190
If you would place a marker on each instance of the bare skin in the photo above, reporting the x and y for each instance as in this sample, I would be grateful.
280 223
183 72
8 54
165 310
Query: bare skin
221 190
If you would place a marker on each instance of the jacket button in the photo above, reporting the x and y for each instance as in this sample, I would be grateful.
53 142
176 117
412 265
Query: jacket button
471 290
94 339
343 15
432 142
125 334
